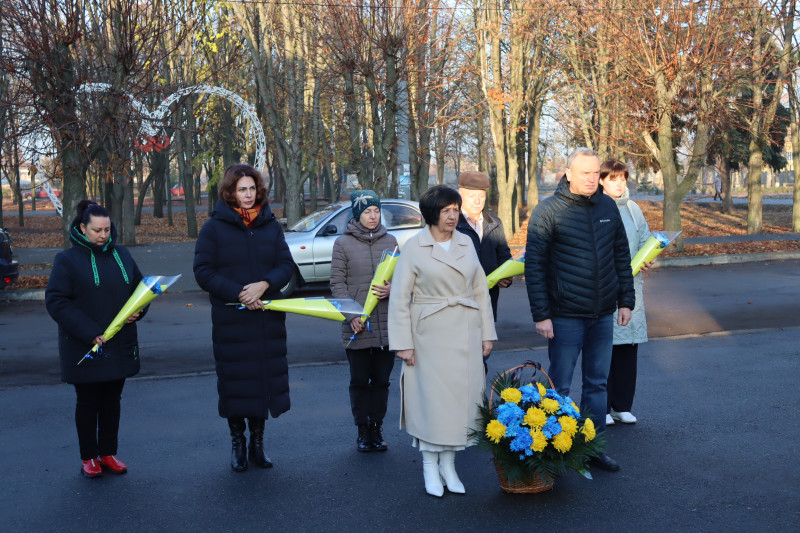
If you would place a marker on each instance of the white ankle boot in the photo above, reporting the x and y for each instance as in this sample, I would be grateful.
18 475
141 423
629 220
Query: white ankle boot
447 468
430 470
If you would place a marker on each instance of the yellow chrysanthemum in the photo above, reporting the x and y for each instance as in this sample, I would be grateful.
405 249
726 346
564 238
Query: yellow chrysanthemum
511 395
568 425
562 442
539 440
549 405
534 418
588 429
577 410
541 388
495 431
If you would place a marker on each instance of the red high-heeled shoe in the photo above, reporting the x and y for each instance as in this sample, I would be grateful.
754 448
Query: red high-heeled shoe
91 468
113 464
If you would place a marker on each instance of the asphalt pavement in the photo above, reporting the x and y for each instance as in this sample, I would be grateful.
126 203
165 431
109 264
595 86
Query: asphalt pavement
714 450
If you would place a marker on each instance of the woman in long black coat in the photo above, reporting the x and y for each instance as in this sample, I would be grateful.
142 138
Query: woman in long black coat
89 283
241 256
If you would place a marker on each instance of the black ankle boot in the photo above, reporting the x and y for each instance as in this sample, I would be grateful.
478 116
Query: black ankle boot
363 443
376 437
257 454
238 444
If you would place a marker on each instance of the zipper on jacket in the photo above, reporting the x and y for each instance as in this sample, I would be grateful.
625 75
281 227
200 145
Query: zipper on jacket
596 261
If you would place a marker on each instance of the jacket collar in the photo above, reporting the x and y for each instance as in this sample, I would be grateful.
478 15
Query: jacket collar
357 230
624 199
224 212
563 190
79 240
460 244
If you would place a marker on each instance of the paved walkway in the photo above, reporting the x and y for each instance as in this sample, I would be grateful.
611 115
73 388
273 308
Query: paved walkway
690 464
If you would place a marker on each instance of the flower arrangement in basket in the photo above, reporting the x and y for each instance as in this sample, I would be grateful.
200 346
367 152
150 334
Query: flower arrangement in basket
534 433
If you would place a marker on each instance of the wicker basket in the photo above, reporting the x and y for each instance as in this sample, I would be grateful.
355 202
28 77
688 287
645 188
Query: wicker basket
531 483
528 485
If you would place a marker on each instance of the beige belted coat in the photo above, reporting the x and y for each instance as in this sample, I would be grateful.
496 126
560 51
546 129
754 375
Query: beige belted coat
439 306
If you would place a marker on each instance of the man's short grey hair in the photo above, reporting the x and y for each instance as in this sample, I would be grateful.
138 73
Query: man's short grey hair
579 152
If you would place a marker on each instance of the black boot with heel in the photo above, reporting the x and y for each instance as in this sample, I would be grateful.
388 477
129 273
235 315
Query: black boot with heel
238 444
257 454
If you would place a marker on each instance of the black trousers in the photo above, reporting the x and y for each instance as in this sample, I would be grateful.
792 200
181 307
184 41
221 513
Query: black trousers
370 369
97 417
622 377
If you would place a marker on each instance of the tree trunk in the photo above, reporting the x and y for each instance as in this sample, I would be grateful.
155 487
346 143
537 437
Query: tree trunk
727 198
480 144
185 153
72 186
17 178
535 128
128 225
168 193
796 171
159 161
754 193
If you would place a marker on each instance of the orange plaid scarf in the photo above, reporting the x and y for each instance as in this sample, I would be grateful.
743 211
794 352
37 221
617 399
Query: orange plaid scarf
248 215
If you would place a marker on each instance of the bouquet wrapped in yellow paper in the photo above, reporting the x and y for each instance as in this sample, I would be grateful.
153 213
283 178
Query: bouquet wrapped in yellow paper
383 273
330 308
513 267
654 246
147 291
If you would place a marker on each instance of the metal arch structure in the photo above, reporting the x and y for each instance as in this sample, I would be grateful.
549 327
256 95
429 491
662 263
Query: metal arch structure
47 189
152 135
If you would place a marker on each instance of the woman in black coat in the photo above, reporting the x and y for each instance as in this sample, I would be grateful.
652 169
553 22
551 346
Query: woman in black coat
241 256
89 283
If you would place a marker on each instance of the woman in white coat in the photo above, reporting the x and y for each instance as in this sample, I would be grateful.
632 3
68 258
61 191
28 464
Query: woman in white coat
622 376
441 326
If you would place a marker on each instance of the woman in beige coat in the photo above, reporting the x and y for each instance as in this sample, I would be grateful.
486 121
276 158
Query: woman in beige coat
441 325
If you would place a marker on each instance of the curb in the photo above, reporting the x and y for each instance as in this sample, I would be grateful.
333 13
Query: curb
22 295
27 295
726 259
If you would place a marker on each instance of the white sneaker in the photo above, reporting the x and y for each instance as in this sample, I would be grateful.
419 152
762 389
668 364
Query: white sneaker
609 420
624 417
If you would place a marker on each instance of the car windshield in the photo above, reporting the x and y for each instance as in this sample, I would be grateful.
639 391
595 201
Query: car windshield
313 220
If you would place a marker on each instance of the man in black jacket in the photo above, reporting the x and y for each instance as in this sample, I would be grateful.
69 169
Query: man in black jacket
485 230
578 272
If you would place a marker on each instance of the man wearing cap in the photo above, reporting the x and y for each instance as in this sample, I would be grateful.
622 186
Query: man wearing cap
485 230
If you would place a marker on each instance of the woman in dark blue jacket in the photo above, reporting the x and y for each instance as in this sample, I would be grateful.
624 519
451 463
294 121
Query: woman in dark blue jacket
241 257
89 283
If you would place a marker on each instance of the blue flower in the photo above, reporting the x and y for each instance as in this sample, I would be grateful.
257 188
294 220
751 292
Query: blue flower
551 427
521 442
530 394
509 413
554 395
568 410
513 429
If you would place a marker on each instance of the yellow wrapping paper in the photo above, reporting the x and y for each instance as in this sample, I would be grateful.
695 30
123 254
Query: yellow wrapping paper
332 309
654 246
147 291
383 273
513 267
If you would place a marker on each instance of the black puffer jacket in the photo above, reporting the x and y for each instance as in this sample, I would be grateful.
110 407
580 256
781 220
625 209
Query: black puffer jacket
353 261
492 249
249 346
88 286
577 260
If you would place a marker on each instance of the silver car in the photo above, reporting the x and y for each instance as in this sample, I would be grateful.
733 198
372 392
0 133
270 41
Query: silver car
311 239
